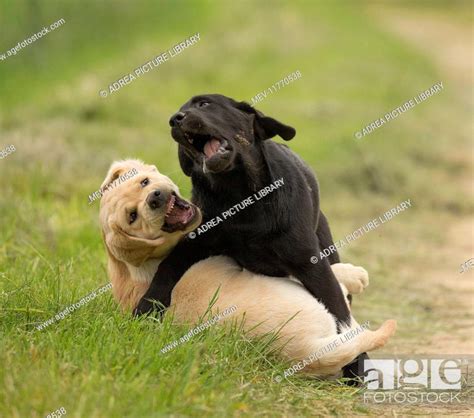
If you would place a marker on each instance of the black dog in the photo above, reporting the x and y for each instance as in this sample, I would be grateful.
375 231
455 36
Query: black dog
224 146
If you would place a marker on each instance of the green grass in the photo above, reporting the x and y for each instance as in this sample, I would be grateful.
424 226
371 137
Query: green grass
98 362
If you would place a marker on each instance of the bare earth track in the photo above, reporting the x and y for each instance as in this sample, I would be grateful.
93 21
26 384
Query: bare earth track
449 46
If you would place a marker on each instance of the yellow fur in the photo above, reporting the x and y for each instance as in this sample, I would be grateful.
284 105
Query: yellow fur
265 303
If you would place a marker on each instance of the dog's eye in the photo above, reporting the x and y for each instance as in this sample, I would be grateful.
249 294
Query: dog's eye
203 104
132 217
145 182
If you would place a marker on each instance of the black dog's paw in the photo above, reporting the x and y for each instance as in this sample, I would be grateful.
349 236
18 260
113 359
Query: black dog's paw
353 372
144 307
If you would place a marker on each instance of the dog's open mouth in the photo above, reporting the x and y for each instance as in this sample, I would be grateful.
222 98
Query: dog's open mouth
207 144
179 214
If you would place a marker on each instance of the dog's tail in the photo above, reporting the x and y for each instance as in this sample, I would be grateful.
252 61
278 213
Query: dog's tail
334 352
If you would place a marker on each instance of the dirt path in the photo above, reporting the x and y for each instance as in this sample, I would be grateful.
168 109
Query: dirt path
449 45
459 308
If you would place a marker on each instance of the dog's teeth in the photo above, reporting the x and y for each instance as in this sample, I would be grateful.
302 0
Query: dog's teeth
170 209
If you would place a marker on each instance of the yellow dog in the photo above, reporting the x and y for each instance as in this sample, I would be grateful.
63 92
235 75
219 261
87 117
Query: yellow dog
142 220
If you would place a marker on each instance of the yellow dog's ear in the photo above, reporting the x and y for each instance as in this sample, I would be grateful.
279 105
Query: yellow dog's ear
119 168
130 249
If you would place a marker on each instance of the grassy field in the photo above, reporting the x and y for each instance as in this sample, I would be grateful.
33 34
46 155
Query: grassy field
357 63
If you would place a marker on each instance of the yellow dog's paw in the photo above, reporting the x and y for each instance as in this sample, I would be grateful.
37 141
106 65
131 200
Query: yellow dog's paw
354 278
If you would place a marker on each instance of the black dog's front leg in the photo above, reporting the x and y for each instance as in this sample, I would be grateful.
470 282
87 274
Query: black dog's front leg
170 270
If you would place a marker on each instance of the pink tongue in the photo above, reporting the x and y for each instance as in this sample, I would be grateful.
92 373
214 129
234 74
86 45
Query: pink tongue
179 215
211 147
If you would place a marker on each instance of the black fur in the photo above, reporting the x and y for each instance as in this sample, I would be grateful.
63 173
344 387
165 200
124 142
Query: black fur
276 236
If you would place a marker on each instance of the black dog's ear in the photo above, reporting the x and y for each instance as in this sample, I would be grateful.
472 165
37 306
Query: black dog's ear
272 127
185 161
265 126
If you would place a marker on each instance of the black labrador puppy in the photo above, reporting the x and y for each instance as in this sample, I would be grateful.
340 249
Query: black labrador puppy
225 147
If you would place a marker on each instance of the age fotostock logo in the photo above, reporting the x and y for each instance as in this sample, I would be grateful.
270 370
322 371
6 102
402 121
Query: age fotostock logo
430 380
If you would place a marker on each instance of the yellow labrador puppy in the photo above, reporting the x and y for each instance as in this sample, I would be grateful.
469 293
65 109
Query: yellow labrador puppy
139 231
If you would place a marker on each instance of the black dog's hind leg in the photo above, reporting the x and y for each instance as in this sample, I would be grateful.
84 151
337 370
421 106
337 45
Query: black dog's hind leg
351 371
354 371
325 238
323 285
320 281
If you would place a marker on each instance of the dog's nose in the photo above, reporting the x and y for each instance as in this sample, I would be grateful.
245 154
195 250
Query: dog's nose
156 199
177 118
